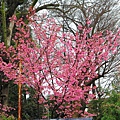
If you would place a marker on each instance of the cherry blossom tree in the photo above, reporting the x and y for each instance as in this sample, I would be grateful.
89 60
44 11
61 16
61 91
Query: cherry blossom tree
59 65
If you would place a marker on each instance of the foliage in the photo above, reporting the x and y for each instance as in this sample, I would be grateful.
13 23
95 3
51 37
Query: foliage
111 107
30 106
107 108
8 118
95 107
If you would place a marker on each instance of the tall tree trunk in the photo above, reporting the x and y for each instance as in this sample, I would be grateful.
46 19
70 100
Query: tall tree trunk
4 86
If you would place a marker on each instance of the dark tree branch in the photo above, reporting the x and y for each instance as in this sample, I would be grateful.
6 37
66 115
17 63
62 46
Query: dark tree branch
48 6
34 3
12 5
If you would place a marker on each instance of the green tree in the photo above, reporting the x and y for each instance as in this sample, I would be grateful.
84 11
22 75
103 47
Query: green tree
111 107
107 108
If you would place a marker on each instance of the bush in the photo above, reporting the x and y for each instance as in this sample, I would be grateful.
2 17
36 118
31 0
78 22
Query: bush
8 118
111 107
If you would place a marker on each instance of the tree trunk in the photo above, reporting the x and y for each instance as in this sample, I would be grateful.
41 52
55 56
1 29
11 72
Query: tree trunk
4 86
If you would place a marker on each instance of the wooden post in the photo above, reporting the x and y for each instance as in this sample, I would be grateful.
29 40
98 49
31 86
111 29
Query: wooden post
19 91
